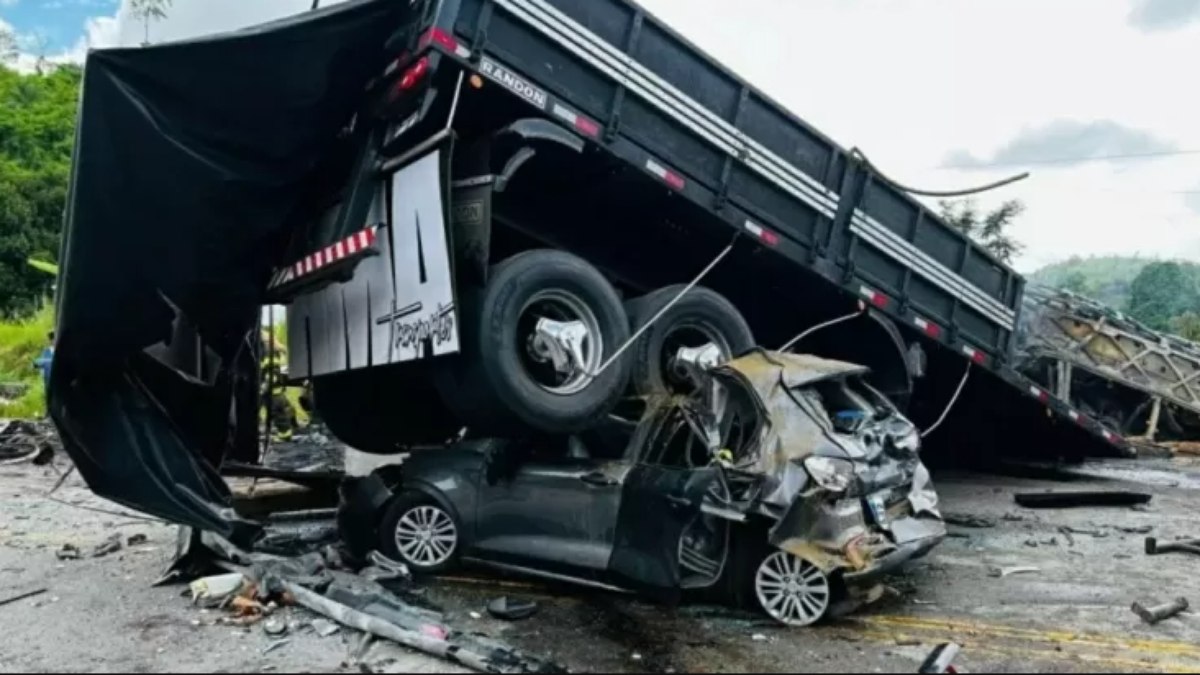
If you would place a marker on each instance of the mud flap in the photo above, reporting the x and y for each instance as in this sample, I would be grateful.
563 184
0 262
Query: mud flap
657 505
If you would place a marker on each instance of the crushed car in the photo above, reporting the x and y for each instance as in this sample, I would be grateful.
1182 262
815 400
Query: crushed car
783 482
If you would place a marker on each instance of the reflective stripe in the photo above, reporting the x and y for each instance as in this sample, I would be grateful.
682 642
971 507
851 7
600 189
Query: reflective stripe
643 82
892 244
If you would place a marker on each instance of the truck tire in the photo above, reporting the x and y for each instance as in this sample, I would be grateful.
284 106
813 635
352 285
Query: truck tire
383 410
507 378
702 316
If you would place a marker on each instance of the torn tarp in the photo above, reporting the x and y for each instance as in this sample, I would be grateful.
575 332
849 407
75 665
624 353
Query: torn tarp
191 164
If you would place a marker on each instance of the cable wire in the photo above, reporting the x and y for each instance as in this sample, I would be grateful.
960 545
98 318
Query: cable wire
818 327
858 154
950 405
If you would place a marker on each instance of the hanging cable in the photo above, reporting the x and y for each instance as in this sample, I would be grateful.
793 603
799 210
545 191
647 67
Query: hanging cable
861 308
950 405
645 327
858 154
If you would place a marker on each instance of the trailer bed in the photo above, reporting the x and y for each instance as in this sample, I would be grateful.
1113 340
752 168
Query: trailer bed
621 78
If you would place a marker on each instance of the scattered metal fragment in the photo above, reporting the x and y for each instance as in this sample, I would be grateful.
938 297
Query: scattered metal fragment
1097 534
973 522
324 628
1187 546
1002 572
276 644
275 627
22 596
137 539
512 609
1153 615
758 637
110 545
941 659
1066 500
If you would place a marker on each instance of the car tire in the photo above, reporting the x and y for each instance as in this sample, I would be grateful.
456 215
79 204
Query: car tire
701 315
742 585
383 410
421 533
498 386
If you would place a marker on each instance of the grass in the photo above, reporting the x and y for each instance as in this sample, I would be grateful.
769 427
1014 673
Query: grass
20 343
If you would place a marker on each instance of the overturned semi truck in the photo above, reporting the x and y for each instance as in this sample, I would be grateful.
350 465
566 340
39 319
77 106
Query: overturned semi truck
486 218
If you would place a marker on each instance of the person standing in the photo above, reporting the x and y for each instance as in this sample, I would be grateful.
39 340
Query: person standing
43 363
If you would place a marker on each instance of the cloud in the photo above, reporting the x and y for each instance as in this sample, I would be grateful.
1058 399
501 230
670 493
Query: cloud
1163 15
1192 199
8 3
1066 142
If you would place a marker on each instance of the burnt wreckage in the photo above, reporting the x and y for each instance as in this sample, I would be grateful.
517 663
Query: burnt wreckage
784 482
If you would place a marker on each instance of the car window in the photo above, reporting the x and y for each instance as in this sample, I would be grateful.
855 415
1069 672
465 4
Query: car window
847 402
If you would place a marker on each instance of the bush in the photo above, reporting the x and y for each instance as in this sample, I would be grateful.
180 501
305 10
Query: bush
20 343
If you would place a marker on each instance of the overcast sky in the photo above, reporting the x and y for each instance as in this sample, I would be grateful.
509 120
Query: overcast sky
941 94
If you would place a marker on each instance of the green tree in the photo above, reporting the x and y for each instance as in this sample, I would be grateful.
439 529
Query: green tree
1077 282
1161 292
37 131
990 230
1187 326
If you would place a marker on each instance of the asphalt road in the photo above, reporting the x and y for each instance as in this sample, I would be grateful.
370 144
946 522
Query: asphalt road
101 615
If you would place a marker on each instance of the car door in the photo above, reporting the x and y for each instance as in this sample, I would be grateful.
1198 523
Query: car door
555 514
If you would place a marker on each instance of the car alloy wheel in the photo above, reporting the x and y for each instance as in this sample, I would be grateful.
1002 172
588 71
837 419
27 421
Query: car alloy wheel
426 536
791 590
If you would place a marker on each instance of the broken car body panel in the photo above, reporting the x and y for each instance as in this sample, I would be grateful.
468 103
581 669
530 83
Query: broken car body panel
657 519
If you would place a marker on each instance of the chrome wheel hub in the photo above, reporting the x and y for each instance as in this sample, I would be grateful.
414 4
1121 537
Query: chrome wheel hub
793 591
426 536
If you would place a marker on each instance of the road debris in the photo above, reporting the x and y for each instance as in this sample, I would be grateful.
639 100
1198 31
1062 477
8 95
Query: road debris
940 660
32 441
1153 615
110 545
972 522
512 609
136 539
68 552
1141 529
275 645
1187 546
1094 533
22 596
1067 500
217 590
758 637
275 627
1003 572
324 628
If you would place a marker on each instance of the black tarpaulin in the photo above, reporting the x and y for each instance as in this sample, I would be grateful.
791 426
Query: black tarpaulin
191 162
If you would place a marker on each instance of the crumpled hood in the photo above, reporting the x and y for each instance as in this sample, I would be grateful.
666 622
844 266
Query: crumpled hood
794 428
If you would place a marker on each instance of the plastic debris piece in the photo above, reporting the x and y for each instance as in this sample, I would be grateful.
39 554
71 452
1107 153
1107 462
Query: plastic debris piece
1002 572
324 627
215 590
110 545
512 609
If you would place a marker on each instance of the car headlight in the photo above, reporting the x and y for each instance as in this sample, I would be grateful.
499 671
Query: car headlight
835 475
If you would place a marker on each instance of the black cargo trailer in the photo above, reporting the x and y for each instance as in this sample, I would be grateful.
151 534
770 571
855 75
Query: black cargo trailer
438 168
590 126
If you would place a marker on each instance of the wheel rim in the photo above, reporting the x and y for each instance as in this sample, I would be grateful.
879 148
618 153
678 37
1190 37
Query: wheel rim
793 591
426 536
690 335
563 342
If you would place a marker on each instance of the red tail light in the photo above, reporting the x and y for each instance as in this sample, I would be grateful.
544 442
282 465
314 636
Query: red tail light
411 77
